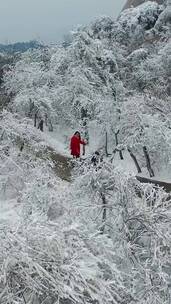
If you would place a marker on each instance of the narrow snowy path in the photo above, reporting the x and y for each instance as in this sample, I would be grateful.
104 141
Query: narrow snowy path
62 164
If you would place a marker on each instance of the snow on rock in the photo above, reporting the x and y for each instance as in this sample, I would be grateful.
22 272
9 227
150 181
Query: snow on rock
134 22
135 3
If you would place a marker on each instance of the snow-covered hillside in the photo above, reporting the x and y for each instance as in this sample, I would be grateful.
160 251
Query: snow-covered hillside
72 232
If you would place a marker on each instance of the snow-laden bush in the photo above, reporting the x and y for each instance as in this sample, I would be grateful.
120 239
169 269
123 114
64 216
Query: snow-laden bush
136 219
86 257
49 263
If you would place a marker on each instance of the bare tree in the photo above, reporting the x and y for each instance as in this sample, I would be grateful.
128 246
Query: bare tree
135 160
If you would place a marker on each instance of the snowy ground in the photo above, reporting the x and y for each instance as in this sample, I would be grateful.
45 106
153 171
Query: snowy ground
58 139
10 212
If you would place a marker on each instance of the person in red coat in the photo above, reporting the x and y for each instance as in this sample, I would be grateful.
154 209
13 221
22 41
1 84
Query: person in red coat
75 143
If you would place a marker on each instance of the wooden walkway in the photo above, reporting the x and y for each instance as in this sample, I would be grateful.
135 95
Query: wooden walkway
166 186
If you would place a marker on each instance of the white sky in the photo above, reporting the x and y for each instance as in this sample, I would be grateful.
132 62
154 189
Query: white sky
49 20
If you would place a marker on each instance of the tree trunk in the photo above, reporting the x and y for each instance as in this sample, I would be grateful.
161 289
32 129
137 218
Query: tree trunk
135 160
40 126
83 149
50 126
84 117
35 120
2 135
104 204
31 108
22 146
106 144
147 158
46 119
120 152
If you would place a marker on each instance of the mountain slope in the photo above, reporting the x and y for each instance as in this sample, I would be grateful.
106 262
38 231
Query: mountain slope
19 47
105 237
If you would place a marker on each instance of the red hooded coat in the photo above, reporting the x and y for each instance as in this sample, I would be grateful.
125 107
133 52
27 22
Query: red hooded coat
75 145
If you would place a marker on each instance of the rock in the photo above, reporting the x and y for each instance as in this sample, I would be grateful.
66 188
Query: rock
135 3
